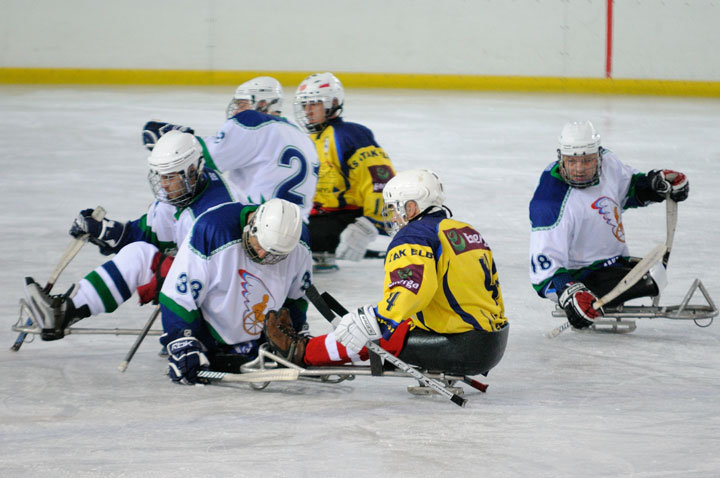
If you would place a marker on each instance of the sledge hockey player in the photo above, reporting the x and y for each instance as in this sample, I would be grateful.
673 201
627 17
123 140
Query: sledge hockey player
578 251
183 190
348 204
263 94
238 263
262 155
442 308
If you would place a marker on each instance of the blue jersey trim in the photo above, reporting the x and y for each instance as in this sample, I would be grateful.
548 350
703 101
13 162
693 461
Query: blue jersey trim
548 202
423 232
218 228
117 279
455 306
255 119
215 193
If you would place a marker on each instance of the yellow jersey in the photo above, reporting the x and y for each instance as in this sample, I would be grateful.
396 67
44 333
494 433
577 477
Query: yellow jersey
353 170
440 273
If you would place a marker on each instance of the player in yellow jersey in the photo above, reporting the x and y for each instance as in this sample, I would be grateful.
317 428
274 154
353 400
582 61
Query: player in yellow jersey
348 204
442 307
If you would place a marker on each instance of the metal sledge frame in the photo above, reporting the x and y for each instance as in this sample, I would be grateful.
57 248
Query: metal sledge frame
267 364
683 311
614 319
28 326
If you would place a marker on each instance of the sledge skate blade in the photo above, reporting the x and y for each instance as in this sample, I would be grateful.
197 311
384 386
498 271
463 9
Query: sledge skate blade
423 390
613 326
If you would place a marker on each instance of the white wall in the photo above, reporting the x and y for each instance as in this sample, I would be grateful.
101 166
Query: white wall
547 38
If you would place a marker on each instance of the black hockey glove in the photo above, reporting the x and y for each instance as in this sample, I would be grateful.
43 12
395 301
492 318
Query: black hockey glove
106 233
577 302
186 358
672 181
153 130
663 181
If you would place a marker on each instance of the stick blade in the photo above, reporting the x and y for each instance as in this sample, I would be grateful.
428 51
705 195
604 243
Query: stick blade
279 375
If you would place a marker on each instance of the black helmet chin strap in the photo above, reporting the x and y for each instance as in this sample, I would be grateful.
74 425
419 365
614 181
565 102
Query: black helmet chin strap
430 209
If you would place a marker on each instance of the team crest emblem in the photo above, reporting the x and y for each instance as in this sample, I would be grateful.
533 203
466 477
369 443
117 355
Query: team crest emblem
380 174
610 212
409 277
465 239
256 299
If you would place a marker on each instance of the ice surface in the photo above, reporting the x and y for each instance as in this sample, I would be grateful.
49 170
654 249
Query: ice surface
643 404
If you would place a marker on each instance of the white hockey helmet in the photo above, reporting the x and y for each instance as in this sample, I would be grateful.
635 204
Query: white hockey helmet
276 225
419 185
264 94
579 143
176 165
319 87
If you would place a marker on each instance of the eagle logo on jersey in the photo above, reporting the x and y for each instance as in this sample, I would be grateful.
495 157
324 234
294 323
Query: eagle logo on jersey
610 212
409 277
465 239
256 299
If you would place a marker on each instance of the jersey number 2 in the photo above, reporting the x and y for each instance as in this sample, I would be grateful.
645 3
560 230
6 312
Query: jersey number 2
287 189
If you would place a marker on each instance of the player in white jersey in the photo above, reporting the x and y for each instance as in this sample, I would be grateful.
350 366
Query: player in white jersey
263 94
183 191
263 155
237 264
577 243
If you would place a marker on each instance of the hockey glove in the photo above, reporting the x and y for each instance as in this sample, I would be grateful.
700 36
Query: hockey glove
186 359
577 302
154 129
160 266
355 239
356 328
663 181
106 233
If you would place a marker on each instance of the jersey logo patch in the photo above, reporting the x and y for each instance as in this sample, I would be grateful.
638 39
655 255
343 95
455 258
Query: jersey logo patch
256 299
465 239
409 277
610 211
380 174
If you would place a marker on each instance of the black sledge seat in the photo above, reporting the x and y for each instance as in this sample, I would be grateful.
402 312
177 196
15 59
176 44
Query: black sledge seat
469 353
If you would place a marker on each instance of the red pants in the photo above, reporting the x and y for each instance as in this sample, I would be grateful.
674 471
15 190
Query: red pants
325 350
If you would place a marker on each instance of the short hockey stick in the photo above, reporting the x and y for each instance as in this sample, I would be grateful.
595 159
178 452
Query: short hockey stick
124 365
71 251
69 254
327 309
672 214
281 374
630 279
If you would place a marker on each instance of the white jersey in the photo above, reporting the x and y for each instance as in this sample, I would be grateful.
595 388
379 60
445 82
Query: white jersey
213 282
265 157
576 228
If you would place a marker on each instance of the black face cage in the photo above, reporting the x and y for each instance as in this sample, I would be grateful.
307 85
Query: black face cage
580 184
186 192
270 258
